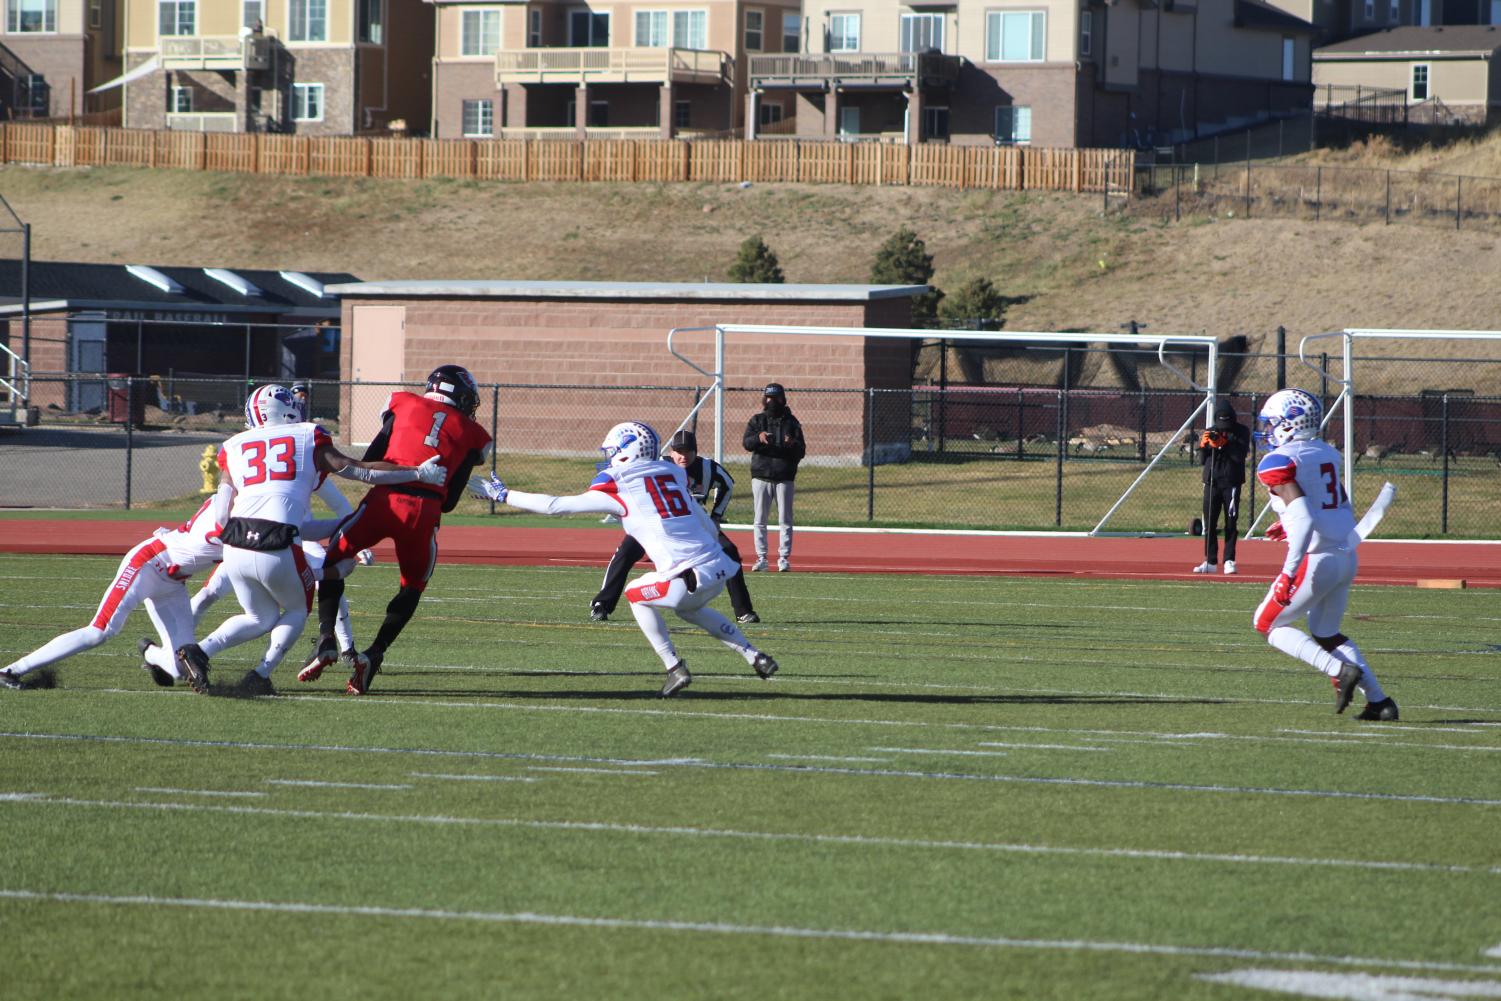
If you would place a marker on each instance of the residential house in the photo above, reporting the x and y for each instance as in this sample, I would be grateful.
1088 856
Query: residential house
1340 19
651 68
1045 72
1454 66
312 67
53 52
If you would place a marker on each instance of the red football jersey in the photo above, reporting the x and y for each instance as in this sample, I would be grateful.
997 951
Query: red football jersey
422 428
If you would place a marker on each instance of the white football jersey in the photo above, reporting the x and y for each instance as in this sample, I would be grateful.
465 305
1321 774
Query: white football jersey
1315 467
661 514
194 544
273 472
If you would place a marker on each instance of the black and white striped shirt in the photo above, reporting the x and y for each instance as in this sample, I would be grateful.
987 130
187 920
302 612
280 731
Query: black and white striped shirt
711 485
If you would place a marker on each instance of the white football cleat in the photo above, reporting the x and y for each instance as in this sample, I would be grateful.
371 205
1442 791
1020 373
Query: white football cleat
1207 567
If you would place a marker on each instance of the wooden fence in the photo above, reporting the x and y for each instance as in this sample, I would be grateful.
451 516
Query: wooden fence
815 161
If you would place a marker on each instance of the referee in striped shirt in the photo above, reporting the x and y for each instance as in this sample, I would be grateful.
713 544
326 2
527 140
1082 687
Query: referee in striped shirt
711 486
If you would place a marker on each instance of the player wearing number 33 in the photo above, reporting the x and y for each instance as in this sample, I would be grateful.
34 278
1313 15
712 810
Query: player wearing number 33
1303 475
652 500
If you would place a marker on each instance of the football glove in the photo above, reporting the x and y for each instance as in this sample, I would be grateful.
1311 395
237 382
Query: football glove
489 489
365 557
431 472
1275 532
1282 589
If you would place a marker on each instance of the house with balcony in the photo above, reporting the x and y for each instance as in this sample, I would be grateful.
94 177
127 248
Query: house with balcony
54 52
310 67
551 69
1045 72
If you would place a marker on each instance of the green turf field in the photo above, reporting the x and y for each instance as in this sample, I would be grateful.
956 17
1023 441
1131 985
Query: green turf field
955 788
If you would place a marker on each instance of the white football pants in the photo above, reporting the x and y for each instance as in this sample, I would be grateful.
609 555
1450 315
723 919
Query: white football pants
276 591
653 591
1322 593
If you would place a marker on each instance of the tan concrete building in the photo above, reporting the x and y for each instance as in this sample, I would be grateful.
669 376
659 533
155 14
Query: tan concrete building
313 67
604 70
1455 66
1046 72
53 52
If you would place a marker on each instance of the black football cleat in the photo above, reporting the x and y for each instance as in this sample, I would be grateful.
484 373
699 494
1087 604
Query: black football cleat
8 680
747 618
253 684
597 613
678 679
1345 684
366 667
764 666
1384 711
193 663
161 677
328 652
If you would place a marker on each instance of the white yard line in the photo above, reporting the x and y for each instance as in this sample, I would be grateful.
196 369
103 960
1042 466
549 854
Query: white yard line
724 928
591 771
312 783
830 757
472 778
197 792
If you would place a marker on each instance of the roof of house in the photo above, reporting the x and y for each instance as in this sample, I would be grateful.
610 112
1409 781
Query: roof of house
1451 40
70 285
722 291
1256 14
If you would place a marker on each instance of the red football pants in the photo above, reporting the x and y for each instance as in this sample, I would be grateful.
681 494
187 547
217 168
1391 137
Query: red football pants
409 521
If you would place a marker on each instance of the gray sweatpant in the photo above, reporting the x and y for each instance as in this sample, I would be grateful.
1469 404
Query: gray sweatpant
762 493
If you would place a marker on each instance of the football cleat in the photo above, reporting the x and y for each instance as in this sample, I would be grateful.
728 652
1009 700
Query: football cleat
366 667
328 652
678 679
193 663
764 666
597 613
9 680
254 683
1384 711
161 677
1344 687
747 618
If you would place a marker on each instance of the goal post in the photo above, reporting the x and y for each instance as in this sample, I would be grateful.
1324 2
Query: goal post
714 394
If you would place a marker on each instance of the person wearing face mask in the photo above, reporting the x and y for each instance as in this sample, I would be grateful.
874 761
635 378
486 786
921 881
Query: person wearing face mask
775 440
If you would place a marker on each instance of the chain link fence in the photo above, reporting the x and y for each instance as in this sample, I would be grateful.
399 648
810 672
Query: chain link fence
1053 454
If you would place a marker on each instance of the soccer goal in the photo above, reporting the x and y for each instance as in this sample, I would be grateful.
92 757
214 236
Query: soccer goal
853 419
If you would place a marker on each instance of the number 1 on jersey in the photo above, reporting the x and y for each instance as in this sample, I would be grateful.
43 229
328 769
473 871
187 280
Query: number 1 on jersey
431 441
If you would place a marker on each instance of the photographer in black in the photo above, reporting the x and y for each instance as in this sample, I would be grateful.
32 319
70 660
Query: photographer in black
774 437
1222 452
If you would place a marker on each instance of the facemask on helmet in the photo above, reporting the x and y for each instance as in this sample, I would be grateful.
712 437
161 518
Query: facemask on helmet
272 405
629 442
1289 415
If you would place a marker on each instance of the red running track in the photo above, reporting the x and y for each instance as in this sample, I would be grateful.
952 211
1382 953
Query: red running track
1403 563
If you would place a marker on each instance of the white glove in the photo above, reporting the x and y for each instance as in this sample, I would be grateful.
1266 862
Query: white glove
431 472
494 489
365 557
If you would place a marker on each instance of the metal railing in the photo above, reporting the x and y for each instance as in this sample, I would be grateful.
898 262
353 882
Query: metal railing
657 65
16 384
223 52
855 66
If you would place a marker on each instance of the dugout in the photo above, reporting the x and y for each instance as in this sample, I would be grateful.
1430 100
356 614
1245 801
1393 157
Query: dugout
568 355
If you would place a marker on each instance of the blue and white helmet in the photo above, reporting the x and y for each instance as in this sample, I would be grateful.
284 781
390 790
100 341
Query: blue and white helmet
272 405
1289 415
630 442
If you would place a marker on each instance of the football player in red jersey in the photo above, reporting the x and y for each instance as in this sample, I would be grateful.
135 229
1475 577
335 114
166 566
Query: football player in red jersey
438 423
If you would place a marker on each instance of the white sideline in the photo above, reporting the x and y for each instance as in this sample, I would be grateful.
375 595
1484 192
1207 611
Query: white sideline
724 928
856 840
1025 534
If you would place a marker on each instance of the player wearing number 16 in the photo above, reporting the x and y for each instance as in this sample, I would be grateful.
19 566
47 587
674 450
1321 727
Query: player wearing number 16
439 425
1302 474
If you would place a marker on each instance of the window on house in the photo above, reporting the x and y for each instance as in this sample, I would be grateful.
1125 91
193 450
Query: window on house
534 28
921 32
1495 12
372 22
1395 14
479 32
181 100
755 30
479 118
844 33
253 14
1289 59
599 114
1015 36
307 102
690 29
682 114
173 17
31 15
651 29
307 20
1420 82
96 13
1370 10
792 31
1013 125
849 121
935 122
587 28
770 113
1086 32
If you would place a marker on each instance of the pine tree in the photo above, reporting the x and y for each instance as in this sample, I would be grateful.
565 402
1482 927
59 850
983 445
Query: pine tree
755 263
904 260
976 305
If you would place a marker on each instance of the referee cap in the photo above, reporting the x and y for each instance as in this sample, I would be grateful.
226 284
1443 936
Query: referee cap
684 441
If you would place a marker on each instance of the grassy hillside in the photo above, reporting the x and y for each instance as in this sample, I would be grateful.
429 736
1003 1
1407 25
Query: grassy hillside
1072 266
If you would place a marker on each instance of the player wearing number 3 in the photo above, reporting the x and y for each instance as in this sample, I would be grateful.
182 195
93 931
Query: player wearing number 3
1303 476
652 501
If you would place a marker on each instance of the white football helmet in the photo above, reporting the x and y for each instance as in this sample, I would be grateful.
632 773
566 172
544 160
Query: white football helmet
1289 415
629 442
272 405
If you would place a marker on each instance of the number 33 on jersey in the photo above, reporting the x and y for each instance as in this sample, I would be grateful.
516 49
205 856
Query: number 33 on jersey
272 470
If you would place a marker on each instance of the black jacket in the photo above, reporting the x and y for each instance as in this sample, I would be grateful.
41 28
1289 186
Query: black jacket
1227 464
775 461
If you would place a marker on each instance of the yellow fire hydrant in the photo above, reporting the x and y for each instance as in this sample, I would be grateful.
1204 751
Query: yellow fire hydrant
209 466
